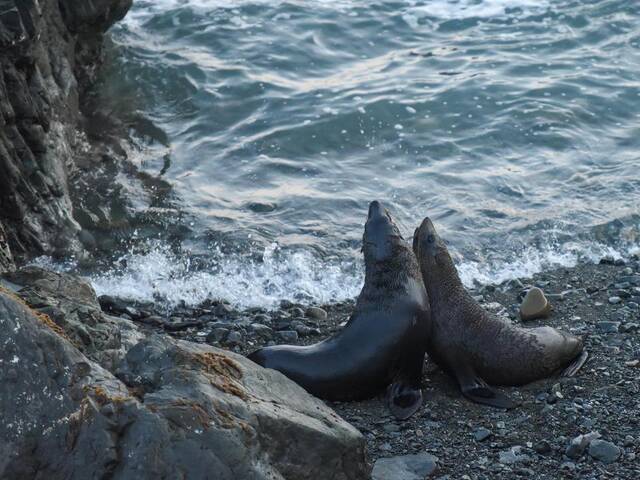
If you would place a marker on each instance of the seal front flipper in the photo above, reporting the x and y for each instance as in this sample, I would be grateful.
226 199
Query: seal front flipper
404 399
576 365
476 390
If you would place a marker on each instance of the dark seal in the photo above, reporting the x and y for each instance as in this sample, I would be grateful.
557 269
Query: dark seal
478 348
383 344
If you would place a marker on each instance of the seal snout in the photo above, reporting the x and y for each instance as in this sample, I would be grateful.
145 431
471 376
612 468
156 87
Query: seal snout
376 209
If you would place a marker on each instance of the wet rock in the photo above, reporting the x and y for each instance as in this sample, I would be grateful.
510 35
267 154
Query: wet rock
542 447
71 304
262 330
288 336
604 451
614 300
217 335
481 434
630 327
578 445
222 310
49 51
534 305
608 327
234 338
282 324
205 410
513 455
406 467
316 313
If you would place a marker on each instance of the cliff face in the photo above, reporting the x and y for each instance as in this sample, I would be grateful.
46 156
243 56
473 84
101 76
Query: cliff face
49 51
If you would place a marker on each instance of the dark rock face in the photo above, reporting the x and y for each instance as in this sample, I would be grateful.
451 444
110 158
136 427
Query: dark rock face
6 259
48 53
174 409
71 305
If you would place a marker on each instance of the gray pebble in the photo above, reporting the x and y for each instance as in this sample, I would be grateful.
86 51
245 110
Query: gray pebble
288 335
316 313
217 335
481 434
578 445
234 338
608 327
604 451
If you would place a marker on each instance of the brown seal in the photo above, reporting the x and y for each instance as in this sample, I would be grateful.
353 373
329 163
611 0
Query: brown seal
480 349
383 344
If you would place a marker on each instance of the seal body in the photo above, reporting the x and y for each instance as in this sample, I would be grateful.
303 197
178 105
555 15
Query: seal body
479 348
383 344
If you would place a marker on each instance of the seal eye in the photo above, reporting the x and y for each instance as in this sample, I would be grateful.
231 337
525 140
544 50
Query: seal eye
431 238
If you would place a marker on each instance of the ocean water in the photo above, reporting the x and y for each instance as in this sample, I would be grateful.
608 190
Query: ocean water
514 125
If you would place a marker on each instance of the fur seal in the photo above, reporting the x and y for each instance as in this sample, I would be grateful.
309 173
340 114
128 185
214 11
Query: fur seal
478 348
384 341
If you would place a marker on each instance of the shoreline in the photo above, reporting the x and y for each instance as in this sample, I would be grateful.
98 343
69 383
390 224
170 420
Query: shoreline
601 302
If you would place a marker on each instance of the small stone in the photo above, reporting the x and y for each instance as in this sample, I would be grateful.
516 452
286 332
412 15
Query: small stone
405 467
543 447
289 336
604 451
568 466
234 338
629 327
297 312
285 304
391 427
261 329
614 300
608 327
262 318
629 441
607 260
534 305
217 335
282 324
222 309
481 434
513 455
316 313
578 445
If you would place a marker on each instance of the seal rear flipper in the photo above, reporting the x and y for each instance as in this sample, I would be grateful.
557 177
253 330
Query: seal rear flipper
575 365
404 399
476 390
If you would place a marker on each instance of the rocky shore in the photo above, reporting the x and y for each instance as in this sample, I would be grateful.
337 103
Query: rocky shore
580 427
551 434
103 387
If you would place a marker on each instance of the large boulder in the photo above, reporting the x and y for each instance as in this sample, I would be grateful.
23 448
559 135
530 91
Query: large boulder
71 303
177 410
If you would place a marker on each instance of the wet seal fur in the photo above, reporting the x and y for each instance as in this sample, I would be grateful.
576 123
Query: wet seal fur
478 348
384 342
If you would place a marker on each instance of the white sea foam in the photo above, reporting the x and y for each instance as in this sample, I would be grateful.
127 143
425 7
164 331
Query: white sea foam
159 275
532 261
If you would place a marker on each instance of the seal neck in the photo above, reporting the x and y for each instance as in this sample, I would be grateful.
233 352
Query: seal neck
389 274
443 279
